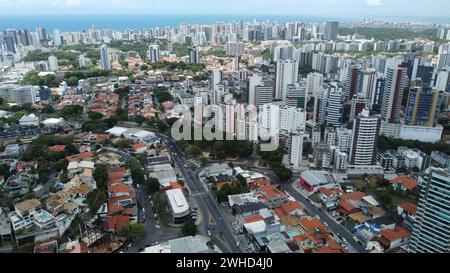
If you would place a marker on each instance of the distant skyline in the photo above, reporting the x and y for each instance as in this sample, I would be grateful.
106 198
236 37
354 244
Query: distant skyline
332 8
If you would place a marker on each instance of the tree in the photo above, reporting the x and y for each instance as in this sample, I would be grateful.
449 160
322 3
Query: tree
283 173
203 161
133 231
139 120
72 81
4 170
241 180
95 115
95 199
153 185
48 109
72 110
101 176
189 228
136 172
193 150
42 170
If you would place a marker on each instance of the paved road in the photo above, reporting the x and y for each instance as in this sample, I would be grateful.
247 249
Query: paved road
204 199
152 234
313 210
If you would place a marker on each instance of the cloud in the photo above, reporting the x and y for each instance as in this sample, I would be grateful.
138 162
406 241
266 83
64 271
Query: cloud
73 3
374 2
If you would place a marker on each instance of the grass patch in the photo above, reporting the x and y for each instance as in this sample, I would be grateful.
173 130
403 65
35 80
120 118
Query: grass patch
315 197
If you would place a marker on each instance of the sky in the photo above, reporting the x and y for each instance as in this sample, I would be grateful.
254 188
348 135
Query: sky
336 8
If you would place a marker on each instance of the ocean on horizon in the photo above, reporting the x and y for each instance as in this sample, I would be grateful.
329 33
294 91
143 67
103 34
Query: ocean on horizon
123 22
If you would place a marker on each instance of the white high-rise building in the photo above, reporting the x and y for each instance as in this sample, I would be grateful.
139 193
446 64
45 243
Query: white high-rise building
194 55
57 40
365 134
230 118
253 81
314 84
235 49
431 232
286 52
286 73
329 106
217 86
393 93
18 94
82 61
241 122
269 120
365 82
153 53
359 103
292 118
198 110
330 136
52 63
443 80
343 139
295 149
297 96
105 58
264 94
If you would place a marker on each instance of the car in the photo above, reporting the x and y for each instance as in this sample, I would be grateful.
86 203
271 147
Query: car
157 226
155 215
344 240
325 223
138 186
209 233
195 209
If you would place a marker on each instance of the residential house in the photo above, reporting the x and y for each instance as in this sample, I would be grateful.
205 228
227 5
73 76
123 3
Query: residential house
24 212
404 183
272 196
392 238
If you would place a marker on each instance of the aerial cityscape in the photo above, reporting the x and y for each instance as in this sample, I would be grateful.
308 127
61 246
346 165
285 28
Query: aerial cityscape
323 132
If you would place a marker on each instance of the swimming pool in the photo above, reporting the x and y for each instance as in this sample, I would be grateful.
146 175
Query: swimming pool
293 233
43 218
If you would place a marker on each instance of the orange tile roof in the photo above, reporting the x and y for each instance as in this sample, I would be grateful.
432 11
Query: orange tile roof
357 195
301 238
395 234
311 223
253 218
80 156
408 182
327 249
328 192
175 185
57 148
138 145
117 222
290 206
272 191
119 188
280 212
113 181
116 173
409 207
347 206
114 208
